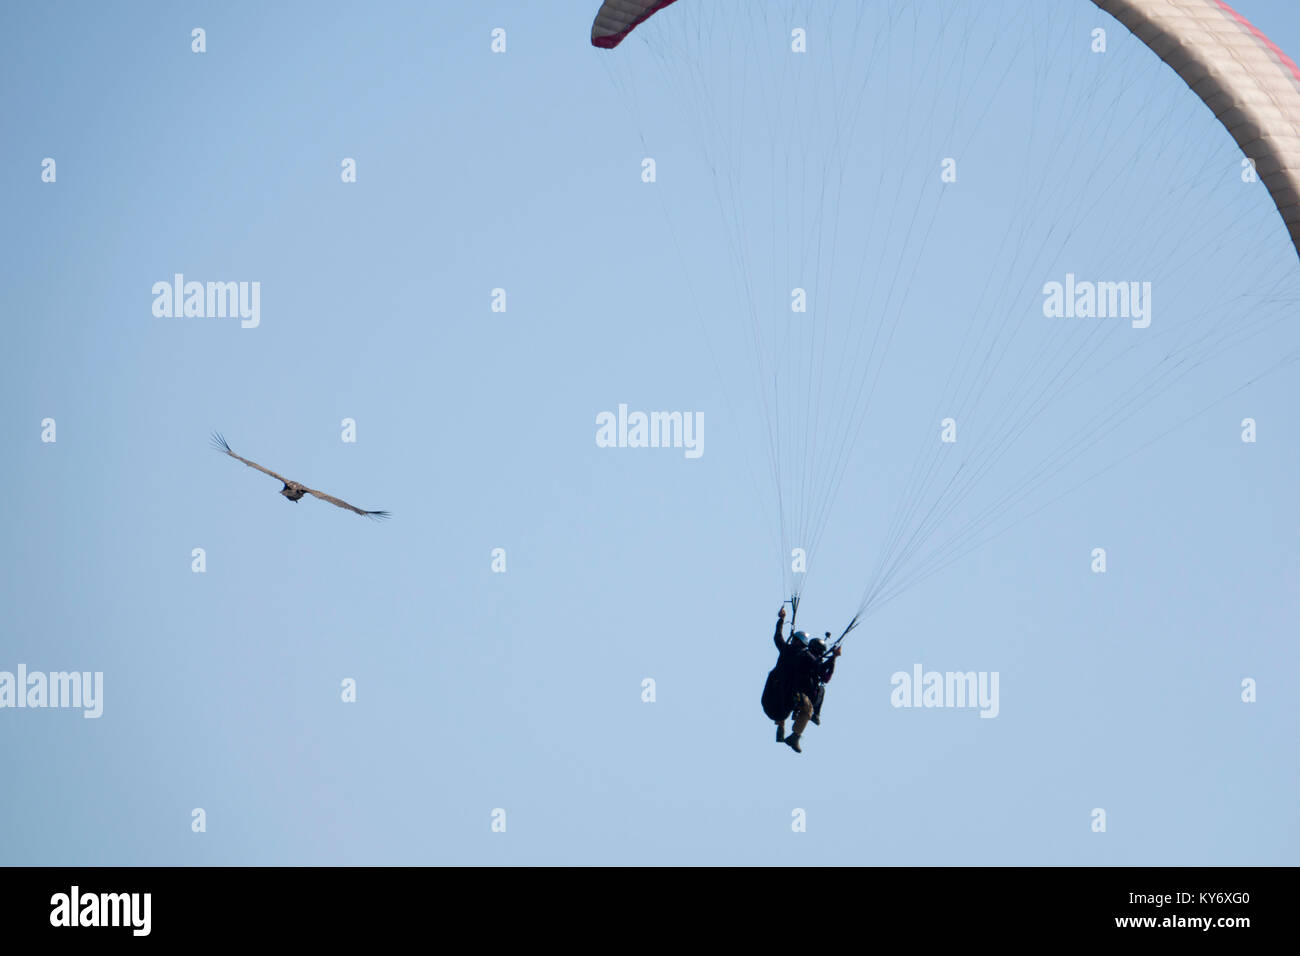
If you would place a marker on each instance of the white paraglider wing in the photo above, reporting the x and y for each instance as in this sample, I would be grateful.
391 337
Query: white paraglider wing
1252 87
866 305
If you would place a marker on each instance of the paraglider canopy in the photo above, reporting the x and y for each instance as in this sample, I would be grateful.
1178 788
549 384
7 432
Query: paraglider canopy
882 309
617 18
1250 85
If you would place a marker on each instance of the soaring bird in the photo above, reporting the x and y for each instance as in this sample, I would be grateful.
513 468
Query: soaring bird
292 490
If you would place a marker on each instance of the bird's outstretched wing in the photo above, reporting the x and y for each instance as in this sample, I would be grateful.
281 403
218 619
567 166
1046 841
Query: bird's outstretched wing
219 444
343 504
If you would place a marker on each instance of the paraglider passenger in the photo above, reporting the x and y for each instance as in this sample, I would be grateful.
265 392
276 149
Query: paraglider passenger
818 648
794 683
807 673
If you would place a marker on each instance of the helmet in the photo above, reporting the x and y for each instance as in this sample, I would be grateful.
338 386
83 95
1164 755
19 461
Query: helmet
817 646
800 637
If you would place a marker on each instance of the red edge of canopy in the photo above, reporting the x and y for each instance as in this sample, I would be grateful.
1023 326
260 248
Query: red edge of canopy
614 39
1273 48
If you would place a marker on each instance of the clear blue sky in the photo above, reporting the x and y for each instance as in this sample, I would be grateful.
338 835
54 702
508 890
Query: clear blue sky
476 429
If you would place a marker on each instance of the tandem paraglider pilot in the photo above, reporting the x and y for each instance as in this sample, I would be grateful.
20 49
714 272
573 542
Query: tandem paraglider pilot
796 685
